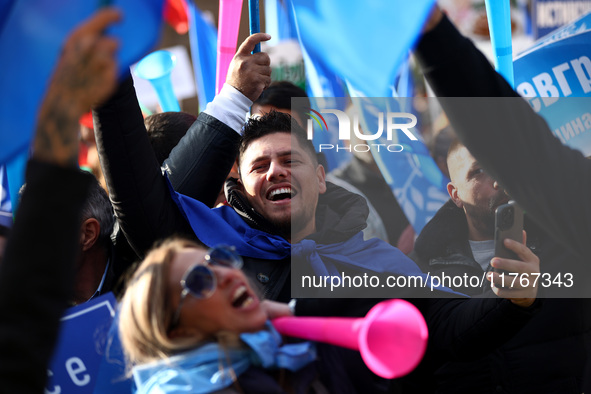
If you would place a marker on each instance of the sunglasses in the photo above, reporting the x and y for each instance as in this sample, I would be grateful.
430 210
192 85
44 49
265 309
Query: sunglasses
200 281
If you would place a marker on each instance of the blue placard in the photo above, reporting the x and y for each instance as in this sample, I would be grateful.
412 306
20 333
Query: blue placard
81 346
558 67
549 15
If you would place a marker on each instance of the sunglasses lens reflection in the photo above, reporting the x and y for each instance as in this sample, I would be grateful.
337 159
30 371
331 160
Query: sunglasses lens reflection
200 281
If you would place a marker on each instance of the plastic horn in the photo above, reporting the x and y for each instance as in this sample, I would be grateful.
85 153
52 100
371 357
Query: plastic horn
229 21
392 337
156 68
255 21
498 13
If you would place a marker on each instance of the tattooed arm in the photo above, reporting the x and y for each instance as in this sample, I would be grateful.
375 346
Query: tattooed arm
85 74
36 275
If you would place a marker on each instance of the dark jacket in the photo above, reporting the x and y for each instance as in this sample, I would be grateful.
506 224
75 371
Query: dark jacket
549 353
37 274
527 362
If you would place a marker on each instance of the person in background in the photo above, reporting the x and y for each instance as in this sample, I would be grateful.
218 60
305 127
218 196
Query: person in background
528 170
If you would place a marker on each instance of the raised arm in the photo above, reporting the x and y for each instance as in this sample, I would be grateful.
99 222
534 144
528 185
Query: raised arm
36 275
139 194
199 164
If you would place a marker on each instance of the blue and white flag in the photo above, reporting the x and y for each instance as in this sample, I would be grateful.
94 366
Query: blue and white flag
402 157
32 35
555 76
5 203
203 36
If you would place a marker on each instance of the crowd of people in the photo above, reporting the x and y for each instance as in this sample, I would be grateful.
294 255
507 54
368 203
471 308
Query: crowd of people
208 223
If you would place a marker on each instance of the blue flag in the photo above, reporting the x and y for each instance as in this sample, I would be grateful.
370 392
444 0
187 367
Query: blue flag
325 90
203 36
551 73
363 42
279 21
32 36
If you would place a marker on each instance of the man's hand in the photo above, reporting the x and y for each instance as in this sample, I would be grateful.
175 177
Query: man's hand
86 73
250 73
523 288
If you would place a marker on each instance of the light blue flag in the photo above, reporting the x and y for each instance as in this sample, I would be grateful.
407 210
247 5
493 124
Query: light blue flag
363 42
204 38
406 164
555 70
326 91
5 203
30 41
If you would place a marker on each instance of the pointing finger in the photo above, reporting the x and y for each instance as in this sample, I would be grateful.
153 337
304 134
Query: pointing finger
248 45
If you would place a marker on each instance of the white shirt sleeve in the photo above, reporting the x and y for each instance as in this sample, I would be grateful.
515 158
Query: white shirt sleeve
230 107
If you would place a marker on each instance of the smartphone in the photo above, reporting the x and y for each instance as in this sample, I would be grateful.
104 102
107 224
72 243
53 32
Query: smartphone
508 224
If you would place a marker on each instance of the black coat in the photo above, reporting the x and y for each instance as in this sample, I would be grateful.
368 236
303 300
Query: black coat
37 274
548 355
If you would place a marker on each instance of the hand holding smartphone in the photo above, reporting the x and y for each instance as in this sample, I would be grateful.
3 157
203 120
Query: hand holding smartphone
508 224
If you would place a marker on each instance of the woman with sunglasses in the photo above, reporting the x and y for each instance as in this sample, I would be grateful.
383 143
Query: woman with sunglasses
191 323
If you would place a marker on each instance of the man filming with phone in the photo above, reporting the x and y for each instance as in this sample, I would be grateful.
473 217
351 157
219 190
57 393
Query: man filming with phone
460 242
460 239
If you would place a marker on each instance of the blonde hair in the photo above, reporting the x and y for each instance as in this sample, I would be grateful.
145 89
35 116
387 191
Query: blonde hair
146 311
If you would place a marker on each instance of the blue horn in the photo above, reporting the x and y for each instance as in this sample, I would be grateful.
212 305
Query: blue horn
156 68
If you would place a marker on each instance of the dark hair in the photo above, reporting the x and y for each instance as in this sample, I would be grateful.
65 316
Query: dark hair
98 206
279 95
165 130
274 122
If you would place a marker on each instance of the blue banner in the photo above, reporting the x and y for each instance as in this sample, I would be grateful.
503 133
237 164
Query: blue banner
203 36
555 69
5 203
363 42
81 346
32 36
